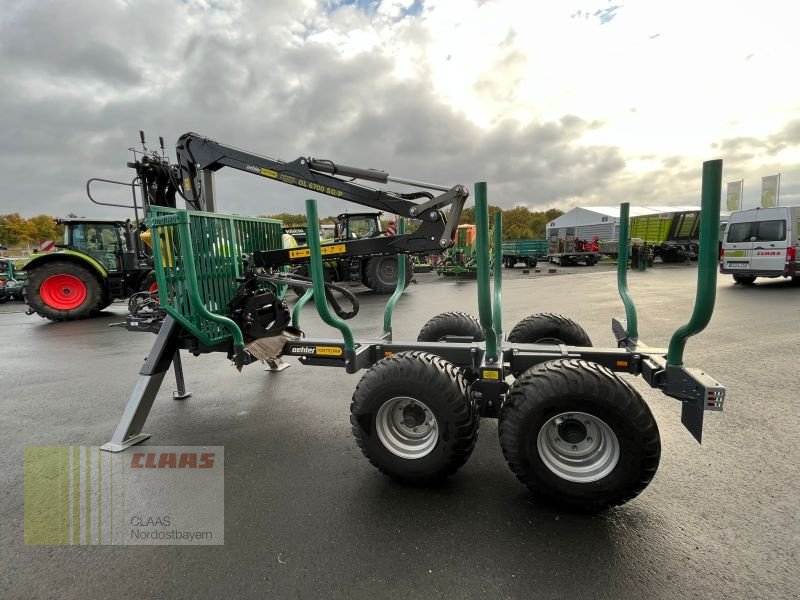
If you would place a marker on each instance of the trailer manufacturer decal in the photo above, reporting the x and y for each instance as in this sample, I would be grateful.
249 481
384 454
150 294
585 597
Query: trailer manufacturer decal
303 350
317 350
490 374
329 351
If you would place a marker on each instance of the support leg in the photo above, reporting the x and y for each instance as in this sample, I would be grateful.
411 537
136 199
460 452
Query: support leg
129 429
273 366
180 393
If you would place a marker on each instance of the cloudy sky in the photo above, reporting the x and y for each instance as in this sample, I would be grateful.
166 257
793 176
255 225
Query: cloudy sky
554 104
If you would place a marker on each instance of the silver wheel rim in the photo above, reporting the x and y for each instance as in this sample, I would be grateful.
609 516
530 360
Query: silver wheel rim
407 427
578 447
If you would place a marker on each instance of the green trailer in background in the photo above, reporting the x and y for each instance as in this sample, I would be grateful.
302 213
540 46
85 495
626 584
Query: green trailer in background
673 237
528 252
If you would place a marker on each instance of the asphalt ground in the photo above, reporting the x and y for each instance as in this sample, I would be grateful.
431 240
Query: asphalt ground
306 516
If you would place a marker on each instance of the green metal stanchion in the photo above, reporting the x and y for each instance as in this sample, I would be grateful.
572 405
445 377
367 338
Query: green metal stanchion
497 312
706 263
632 322
484 296
301 302
398 290
318 280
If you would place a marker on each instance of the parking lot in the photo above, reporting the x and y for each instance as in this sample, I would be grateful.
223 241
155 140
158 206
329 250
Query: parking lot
307 516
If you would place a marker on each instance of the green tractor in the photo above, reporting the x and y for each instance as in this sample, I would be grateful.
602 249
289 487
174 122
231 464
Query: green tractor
100 261
378 273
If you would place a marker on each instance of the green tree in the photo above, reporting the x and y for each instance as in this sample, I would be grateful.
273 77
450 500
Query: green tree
43 227
14 230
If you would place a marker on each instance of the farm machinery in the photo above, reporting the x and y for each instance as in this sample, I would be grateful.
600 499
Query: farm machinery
12 278
460 260
378 273
571 428
100 260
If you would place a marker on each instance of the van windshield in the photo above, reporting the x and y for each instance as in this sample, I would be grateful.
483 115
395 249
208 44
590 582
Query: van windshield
757 231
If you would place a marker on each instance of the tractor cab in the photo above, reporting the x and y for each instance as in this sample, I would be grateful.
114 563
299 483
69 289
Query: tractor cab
114 244
356 226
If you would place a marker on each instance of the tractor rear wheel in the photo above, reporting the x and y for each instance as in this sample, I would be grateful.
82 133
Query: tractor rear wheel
579 436
380 273
64 291
413 419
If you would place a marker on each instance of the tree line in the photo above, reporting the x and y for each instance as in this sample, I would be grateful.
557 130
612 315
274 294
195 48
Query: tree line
518 223
16 231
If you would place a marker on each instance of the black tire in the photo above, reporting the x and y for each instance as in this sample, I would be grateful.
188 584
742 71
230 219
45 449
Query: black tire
532 263
301 270
744 279
4 299
672 257
329 274
149 282
380 273
549 328
591 261
551 391
92 304
451 323
427 380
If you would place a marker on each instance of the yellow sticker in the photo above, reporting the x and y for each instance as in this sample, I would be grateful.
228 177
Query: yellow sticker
486 374
329 351
187 184
335 249
269 173
306 252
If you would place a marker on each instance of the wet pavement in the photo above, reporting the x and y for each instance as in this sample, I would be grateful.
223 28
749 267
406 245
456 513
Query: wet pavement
307 516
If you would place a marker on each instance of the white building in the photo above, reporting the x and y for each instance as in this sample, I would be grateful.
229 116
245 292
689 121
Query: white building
586 222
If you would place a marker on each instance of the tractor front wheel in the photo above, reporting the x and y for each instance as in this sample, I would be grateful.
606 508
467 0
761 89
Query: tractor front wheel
64 291
413 419
579 436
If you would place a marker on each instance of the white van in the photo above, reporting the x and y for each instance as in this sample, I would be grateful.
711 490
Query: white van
762 242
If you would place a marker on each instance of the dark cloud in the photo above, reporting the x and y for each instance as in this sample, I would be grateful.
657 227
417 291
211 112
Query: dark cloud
745 148
79 84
